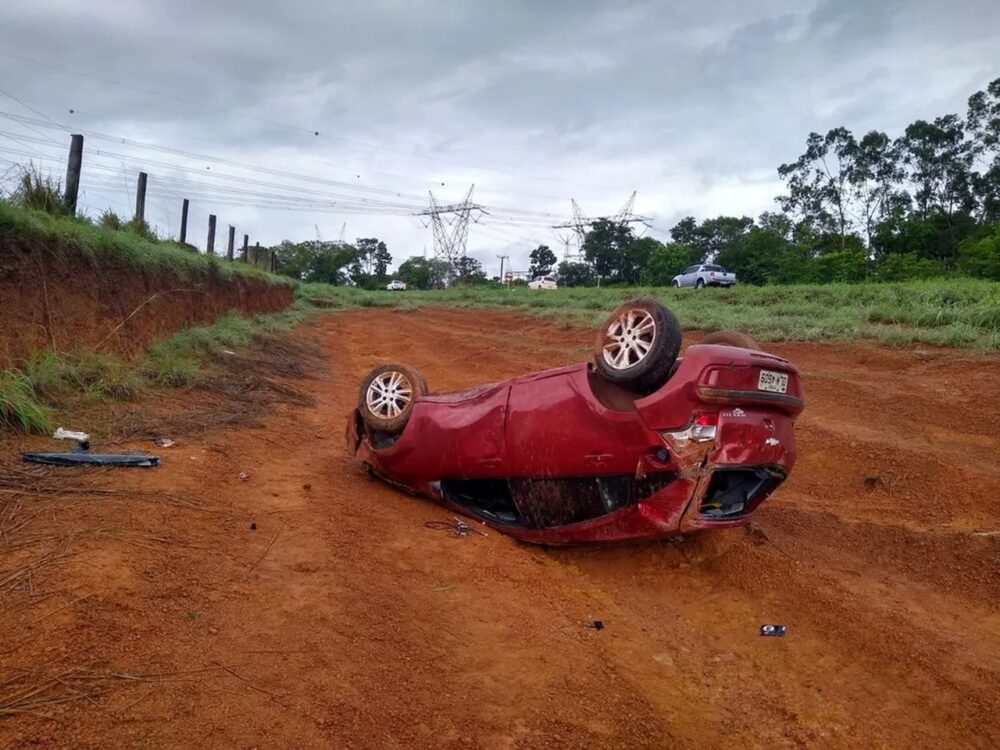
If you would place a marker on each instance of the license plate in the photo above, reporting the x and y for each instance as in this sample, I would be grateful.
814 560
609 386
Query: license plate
775 382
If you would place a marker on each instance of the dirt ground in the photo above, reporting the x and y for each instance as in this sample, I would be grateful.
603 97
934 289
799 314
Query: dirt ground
338 620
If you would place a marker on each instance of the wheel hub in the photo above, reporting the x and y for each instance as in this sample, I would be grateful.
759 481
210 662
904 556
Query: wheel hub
629 339
389 394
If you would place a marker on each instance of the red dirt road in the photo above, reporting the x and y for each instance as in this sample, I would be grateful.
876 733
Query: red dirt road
341 621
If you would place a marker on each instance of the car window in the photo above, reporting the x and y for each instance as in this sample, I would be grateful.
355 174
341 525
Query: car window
549 278
690 269
714 268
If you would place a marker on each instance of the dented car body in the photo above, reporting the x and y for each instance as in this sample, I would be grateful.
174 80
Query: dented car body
564 457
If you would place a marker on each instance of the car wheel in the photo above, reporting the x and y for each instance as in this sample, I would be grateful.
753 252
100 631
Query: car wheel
676 285
638 344
731 338
387 396
699 283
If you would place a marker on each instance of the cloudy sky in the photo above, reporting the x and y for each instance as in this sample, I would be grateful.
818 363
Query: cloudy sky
291 119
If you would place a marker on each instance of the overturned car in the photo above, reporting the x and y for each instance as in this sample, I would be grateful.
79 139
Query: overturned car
639 443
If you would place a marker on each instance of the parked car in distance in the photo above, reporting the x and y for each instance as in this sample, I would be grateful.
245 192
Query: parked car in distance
543 282
396 286
704 274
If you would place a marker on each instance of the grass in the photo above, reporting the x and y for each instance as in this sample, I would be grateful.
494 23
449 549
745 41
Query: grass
946 312
113 238
39 192
50 381
19 404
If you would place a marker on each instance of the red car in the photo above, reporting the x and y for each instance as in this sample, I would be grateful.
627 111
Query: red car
637 444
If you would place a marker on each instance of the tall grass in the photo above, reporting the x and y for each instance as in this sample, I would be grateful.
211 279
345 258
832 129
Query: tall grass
39 192
113 237
951 312
19 405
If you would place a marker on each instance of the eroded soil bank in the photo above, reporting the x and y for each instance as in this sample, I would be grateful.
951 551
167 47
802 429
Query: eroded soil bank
66 300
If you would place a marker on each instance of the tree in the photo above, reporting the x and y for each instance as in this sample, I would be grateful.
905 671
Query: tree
819 182
469 271
874 177
981 257
983 130
542 261
441 273
575 274
330 264
636 257
415 272
373 259
685 232
667 261
712 236
315 261
604 248
939 159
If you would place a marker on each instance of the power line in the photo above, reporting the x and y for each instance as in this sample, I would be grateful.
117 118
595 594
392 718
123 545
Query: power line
296 128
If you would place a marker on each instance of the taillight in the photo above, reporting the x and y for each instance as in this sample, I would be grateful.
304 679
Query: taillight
702 430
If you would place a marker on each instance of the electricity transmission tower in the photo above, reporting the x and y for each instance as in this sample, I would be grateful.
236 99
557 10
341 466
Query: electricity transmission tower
449 223
340 242
581 224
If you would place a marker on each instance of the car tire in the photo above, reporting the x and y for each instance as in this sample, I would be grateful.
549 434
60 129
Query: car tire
676 284
731 338
699 284
637 345
387 396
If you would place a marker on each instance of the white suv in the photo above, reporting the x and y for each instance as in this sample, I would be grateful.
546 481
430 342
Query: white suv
543 282
396 286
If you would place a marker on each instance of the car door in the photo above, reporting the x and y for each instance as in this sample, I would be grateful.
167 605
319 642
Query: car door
689 276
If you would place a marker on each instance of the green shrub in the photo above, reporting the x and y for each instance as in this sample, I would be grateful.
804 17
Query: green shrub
981 257
906 267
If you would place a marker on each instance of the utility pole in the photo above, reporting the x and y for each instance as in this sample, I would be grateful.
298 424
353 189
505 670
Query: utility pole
73 167
232 242
184 221
210 245
140 201
502 259
246 241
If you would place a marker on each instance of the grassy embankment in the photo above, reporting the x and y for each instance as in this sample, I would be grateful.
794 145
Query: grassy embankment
31 393
945 312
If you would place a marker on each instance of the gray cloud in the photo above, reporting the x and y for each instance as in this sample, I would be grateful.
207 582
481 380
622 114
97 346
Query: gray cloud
692 104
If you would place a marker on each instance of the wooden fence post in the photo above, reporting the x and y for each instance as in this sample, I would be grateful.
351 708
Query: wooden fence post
73 167
232 242
140 201
246 241
184 221
210 245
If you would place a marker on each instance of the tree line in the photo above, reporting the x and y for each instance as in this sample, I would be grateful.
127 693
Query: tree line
923 204
365 264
